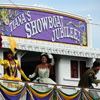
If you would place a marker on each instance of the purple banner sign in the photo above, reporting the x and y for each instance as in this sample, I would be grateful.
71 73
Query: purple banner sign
43 25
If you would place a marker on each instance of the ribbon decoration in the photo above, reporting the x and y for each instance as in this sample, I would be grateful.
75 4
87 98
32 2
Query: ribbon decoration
64 96
33 94
11 94
41 95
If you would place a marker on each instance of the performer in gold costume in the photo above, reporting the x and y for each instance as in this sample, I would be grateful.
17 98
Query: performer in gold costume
10 66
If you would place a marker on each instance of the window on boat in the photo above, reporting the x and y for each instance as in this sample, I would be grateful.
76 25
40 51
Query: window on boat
77 68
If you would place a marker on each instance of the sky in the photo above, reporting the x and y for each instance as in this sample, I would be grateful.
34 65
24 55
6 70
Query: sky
78 7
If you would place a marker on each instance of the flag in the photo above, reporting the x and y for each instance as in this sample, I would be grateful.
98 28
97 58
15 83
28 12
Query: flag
13 44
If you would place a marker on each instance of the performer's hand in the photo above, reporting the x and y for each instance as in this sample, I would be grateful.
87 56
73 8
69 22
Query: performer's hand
32 76
28 79
1 61
97 84
50 55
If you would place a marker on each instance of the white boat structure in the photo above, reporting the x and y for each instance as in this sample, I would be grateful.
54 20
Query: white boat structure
67 36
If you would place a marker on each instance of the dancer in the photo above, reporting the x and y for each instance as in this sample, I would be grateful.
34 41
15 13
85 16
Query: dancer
43 69
10 66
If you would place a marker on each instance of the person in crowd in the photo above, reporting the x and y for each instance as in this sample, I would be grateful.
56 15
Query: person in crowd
43 69
89 76
10 68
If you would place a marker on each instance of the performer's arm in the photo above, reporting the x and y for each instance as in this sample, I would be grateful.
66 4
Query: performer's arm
23 74
34 74
1 62
93 78
4 63
52 60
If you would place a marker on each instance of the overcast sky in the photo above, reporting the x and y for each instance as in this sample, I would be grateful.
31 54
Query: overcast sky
79 7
